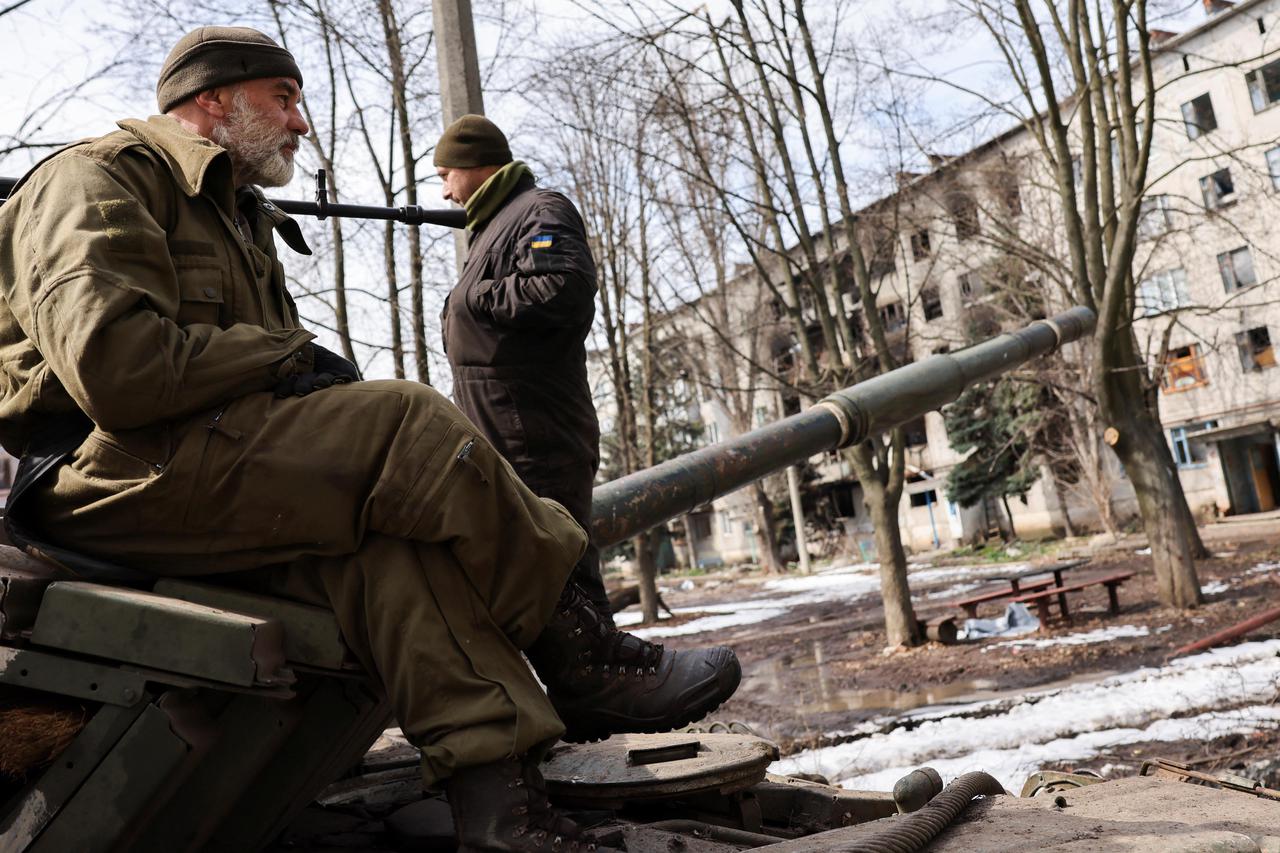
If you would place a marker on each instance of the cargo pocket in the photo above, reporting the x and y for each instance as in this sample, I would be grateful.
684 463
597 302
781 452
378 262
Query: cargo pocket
453 457
200 292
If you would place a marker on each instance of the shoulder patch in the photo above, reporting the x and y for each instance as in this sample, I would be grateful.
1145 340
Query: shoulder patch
542 241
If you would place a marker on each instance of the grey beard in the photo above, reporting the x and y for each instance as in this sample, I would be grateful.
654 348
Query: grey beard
254 145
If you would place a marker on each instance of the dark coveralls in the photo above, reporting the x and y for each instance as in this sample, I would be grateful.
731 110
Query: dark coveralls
515 328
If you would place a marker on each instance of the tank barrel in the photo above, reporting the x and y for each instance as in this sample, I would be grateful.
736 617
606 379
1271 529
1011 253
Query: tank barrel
626 506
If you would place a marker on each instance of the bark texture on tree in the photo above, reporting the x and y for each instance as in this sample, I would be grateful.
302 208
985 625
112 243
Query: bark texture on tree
900 626
1175 542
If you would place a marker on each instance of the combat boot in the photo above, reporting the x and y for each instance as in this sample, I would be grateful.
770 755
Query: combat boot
603 681
503 807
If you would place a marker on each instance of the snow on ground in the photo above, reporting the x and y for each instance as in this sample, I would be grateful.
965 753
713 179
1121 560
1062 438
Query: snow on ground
1215 587
1101 635
839 583
1264 568
1218 692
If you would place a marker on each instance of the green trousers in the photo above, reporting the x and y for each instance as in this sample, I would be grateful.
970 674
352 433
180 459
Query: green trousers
378 499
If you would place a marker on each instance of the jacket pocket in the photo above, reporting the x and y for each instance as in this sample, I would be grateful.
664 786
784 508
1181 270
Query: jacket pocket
105 458
200 293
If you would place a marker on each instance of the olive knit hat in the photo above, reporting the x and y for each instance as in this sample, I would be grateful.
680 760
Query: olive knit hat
472 141
208 57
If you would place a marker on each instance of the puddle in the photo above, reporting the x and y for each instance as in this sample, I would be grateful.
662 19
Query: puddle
805 683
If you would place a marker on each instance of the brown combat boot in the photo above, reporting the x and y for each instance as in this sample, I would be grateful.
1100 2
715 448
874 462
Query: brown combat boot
603 681
503 807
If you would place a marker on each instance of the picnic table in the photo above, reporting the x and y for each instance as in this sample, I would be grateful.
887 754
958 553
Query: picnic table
1021 582
1042 597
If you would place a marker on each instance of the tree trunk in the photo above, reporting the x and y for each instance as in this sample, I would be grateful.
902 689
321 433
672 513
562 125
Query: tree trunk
765 535
393 295
1175 542
1068 529
900 625
1008 514
409 162
647 576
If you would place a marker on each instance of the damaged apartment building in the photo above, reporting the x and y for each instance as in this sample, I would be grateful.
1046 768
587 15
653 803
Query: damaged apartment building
939 250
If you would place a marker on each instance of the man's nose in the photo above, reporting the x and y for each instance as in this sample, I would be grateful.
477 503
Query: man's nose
297 123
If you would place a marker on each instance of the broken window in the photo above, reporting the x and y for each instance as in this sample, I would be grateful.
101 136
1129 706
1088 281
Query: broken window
1236 268
964 213
1218 189
1005 186
1164 291
1198 116
925 498
932 303
1154 218
1255 349
920 244
1183 370
893 316
1264 85
971 286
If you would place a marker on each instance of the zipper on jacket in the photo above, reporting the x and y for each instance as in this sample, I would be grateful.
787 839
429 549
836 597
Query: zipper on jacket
215 425
464 455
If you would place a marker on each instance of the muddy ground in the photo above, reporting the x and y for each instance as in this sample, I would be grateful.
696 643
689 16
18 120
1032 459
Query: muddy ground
823 667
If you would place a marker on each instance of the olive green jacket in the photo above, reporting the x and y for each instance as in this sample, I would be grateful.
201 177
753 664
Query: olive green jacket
128 293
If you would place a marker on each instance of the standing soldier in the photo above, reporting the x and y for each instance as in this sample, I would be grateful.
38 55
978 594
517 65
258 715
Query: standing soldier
515 328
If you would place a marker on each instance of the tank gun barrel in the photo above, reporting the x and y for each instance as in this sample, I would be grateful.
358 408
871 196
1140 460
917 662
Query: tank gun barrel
626 506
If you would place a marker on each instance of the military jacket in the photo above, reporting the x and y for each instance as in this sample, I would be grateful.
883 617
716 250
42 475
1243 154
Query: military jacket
129 293
515 327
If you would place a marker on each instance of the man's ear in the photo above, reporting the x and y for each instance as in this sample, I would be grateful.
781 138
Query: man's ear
215 102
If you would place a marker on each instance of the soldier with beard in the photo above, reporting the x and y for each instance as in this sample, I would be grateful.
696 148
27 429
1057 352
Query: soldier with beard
172 415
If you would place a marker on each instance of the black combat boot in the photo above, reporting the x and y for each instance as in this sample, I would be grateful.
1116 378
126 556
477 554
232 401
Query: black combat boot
603 681
503 807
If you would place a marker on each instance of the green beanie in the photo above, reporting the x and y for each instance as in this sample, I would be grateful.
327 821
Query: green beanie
209 57
472 141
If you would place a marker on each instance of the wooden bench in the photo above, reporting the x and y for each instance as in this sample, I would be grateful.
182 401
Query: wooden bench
970 605
1043 597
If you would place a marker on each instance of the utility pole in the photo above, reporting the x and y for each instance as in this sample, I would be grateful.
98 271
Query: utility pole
459 70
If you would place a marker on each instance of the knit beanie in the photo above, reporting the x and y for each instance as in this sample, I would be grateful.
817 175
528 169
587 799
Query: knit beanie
472 141
209 57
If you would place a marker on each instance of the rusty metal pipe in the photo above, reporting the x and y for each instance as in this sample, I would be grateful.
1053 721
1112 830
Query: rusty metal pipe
1227 634
626 506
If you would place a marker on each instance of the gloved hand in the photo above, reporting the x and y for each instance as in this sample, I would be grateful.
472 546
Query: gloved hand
328 368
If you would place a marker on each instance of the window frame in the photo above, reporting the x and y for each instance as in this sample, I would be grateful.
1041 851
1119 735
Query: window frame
1272 156
1193 123
920 248
1180 446
1169 288
1191 365
931 297
1255 81
1219 199
1249 350
1229 258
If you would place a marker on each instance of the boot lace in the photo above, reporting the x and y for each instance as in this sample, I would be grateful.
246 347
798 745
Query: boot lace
623 652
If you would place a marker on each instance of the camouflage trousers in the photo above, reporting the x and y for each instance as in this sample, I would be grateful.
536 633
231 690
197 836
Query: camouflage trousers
378 499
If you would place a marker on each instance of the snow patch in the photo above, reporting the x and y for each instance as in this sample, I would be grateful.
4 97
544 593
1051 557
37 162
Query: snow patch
1063 724
1263 568
1215 587
1101 635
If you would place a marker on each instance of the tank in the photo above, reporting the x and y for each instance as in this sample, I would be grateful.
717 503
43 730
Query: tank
191 716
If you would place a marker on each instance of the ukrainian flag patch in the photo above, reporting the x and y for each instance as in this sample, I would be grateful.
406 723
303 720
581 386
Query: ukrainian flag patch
542 241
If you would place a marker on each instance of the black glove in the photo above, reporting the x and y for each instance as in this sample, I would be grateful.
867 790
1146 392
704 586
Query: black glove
328 368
